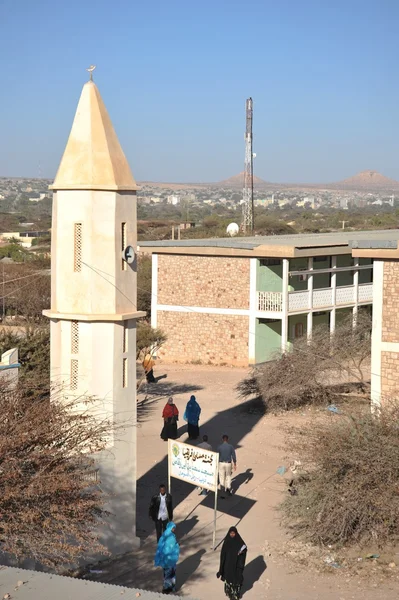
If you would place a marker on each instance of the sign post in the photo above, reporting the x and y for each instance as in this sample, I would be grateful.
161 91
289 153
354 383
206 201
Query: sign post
196 466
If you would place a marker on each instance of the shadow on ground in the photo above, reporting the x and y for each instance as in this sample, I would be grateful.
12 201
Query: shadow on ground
156 393
253 572
237 421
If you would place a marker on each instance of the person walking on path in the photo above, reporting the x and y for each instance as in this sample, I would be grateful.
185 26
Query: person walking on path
206 446
170 417
148 366
227 458
192 415
167 556
161 510
232 563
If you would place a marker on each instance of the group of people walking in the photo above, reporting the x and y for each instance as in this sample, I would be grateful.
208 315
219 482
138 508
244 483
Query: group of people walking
234 550
170 416
232 555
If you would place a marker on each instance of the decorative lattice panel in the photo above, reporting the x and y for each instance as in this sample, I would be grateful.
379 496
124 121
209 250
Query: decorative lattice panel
77 248
322 297
366 292
298 301
124 374
345 294
270 301
74 337
74 374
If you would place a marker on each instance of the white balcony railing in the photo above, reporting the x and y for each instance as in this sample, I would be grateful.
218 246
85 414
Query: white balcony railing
270 301
321 298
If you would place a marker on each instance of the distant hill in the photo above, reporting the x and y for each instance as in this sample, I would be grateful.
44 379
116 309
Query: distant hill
367 181
238 181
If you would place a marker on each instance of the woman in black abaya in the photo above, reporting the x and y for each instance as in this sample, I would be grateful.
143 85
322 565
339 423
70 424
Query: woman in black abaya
232 563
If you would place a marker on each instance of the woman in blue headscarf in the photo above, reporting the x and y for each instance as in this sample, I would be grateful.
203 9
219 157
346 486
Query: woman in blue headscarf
192 415
167 555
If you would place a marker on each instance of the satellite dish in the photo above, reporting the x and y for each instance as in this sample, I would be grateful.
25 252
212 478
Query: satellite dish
232 229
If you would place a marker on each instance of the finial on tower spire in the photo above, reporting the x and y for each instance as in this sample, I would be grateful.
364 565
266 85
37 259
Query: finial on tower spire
90 70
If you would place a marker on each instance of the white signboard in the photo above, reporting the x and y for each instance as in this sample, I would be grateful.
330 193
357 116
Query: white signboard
194 465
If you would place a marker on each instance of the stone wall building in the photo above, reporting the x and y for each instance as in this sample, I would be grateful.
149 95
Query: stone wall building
240 301
385 335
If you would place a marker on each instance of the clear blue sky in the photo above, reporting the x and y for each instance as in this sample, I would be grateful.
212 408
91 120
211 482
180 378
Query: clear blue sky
175 75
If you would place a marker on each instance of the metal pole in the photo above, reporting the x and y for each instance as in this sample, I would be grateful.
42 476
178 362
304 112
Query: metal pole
214 518
169 477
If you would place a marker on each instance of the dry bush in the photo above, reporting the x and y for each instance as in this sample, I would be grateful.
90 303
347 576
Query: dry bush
33 343
349 490
49 507
311 371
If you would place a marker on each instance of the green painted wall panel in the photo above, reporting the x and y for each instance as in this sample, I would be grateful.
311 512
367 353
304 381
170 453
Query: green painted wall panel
267 340
269 278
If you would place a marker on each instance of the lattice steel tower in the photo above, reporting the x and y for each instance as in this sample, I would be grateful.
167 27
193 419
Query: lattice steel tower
248 191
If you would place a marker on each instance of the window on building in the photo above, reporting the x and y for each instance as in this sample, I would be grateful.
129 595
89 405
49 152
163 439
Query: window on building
270 262
74 374
74 337
124 374
123 244
298 330
319 313
77 248
302 277
320 259
125 336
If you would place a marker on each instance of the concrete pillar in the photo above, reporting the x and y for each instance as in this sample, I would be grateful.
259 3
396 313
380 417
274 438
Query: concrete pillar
356 292
334 293
284 321
253 307
310 292
376 335
154 291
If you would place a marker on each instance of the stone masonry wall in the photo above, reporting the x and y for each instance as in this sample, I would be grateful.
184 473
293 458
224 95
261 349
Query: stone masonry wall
389 375
390 307
216 339
206 281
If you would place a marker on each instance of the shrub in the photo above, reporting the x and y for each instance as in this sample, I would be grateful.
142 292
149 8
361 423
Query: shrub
311 371
349 491
49 508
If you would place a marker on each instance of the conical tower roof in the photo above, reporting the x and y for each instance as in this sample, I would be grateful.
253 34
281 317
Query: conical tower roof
93 157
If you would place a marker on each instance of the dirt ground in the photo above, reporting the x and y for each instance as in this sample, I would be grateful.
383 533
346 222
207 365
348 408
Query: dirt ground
274 568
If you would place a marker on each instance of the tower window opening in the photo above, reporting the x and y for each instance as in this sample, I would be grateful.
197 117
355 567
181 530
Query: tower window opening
124 374
74 374
125 337
77 248
74 337
123 244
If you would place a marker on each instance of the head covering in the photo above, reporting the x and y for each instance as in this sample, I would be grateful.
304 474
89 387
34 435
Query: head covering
193 411
170 400
232 558
168 549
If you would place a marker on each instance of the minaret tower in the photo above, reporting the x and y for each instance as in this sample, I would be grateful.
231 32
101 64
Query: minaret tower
93 294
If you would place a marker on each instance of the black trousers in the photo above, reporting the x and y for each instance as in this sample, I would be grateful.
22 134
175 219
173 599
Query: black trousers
150 376
160 527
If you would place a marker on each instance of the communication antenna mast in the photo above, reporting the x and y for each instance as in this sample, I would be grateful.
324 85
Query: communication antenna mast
248 191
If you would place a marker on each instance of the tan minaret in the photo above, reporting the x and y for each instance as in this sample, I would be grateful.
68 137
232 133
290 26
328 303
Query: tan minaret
93 293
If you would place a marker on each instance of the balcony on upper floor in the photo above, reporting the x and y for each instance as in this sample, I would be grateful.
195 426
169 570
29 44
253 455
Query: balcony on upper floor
317 299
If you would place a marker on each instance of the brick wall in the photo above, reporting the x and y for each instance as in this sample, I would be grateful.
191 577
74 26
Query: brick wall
206 281
389 375
208 338
390 307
